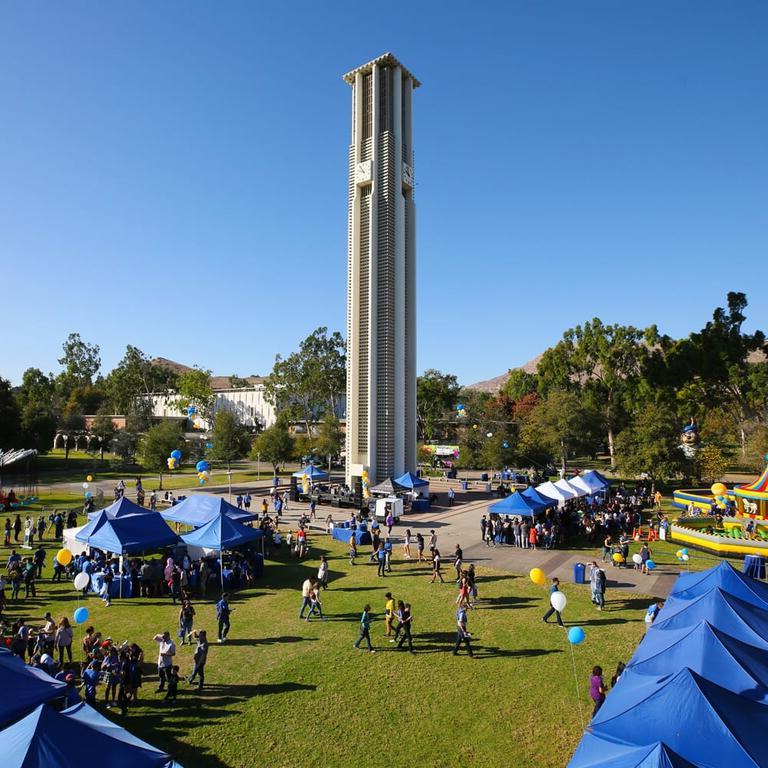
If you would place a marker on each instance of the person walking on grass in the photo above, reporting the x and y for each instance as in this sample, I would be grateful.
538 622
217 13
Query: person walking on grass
365 630
597 585
223 612
458 559
420 547
405 627
315 605
352 549
554 588
407 544
436 567
165 653
306 596
381 556
389 614
462 635
200 658
597 689
322 572
186 619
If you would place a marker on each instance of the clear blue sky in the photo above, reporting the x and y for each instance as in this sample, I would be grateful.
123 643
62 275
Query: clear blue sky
173 175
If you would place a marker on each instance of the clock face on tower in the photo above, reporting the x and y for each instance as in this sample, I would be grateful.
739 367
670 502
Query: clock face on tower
363 172
407 176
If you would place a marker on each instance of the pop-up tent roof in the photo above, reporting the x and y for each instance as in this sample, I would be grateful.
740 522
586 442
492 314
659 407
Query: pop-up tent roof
532 494
129 534
24 688
221 533
47 738
735 665
200 508
594 480
388 487
553 492
565 485
314 473
597 752
120 508
725 576
517 504
732 615
409 480
718 728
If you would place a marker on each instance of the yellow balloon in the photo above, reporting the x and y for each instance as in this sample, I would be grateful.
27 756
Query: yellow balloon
617 558
679 553
89 479
719 489
64 557
538 577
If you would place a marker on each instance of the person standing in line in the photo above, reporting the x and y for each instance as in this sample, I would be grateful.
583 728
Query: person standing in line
165 654
554 588
223 612
306 596
420 546
404 626
462 635
365 629
407 544
389 614
436 567
322 572
597 689
200 659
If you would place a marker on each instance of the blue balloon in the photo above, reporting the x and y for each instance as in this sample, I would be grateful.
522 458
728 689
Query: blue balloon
576 635
191 411
80 615
684 551
202 466
459 407
650 565
505 444
209 445
88 494
176 455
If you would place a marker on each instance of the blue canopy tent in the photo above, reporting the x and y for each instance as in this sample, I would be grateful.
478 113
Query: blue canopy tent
200 508
597 752
314 473
594 480
735 665
725 576
128 535
701 721
738 618
409 480
532 494
47 738
24 688
517 504
120 508
220 534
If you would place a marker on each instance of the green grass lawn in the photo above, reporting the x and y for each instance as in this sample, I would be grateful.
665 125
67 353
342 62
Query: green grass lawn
284 692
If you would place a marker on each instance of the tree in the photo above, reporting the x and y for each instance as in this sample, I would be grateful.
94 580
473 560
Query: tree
37 405
156 446
194 388
10 418
309 383
81 361
711 463
650 445
436 397
236 382
519 383
330 438
230 438
124 445
274 445
103 428
604 361
757 447
560 426
133 379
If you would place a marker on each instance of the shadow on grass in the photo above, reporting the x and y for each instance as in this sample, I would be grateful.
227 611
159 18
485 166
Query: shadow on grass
631 604
599 622
505 602
268 640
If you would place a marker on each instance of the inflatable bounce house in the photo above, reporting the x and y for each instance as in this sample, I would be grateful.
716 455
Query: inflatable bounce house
728 522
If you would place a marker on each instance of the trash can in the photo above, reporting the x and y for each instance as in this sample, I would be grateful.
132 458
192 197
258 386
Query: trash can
488 488
484 477
464 485
754 566
579 571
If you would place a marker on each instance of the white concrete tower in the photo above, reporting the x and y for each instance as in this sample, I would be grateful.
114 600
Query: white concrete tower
381 274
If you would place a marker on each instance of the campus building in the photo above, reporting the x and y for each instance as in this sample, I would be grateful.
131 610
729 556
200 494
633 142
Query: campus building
381 275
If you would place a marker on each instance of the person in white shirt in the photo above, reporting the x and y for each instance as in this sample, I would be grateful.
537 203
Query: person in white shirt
306 596
166 652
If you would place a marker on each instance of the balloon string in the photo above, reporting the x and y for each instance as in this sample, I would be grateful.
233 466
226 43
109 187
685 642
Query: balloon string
576 683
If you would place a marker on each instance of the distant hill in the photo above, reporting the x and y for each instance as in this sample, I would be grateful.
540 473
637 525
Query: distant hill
217 382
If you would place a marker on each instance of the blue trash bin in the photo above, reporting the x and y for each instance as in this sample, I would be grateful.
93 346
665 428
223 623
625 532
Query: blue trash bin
579 573
464 485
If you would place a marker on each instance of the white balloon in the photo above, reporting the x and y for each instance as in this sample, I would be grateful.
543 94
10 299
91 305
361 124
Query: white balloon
81 581
85 485
685 558
637 559
558 601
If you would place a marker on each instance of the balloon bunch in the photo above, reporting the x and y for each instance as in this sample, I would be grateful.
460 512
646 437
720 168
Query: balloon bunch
174 460
191 410
461 411
682 555
305 484
203 471
366 484
719 491
558 601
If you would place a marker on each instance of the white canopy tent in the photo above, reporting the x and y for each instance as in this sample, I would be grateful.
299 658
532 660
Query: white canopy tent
70 542
567 486
553 491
